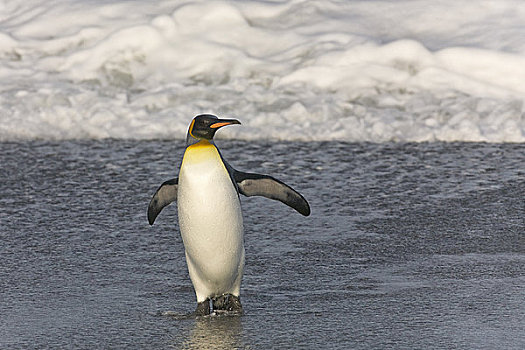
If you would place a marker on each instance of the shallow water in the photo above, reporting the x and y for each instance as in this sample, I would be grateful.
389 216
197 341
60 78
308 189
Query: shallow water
408 246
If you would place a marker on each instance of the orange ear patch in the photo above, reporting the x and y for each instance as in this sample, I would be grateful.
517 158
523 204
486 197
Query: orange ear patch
191 128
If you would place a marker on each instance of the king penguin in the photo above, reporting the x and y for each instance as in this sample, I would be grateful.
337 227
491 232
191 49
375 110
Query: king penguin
210 218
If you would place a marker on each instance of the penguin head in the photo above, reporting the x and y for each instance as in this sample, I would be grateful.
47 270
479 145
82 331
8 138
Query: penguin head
204 127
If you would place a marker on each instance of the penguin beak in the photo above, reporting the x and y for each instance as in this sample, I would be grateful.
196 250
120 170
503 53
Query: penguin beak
223 122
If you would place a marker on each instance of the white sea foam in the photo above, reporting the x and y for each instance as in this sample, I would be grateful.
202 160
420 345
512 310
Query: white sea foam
408 70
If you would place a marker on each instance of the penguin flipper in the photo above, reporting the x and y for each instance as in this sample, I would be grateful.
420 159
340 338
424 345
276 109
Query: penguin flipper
166 194
263 185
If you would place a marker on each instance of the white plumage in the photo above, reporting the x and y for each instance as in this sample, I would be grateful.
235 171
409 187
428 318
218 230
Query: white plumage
210 220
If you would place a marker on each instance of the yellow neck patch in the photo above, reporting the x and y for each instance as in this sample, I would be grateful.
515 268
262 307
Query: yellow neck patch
200 151
200 144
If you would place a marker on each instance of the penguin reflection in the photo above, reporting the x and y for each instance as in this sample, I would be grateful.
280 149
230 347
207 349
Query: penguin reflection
215 332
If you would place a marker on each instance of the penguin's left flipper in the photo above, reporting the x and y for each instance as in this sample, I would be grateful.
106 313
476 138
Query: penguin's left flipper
263 185
164 196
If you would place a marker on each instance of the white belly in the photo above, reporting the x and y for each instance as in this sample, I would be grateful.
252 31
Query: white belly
210 221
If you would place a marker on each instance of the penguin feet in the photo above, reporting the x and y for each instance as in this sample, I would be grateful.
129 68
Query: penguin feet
203 308
227 303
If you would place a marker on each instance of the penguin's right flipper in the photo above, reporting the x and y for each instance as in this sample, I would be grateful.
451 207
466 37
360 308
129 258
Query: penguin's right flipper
166 194
250 184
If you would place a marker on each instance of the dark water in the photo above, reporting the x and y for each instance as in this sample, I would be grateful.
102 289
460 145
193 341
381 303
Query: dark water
409 246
